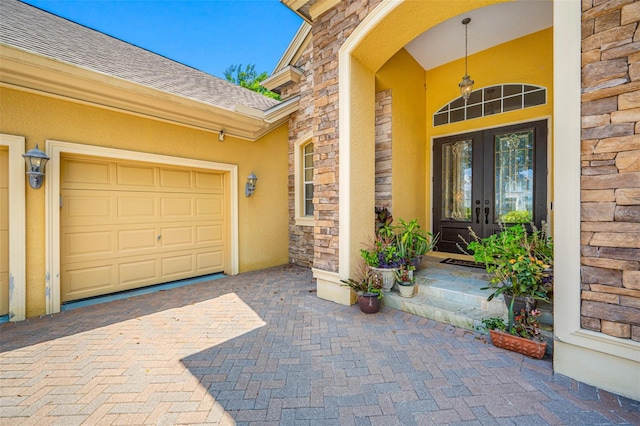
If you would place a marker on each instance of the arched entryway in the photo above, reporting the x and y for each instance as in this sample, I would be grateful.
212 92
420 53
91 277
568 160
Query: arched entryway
367 65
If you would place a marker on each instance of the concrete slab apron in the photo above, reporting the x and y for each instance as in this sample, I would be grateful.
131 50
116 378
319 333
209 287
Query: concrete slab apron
261 348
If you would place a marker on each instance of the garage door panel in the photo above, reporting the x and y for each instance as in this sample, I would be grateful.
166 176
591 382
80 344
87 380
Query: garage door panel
88 280
209 262
178 265
138 272
4 250
93 172
135 175
177 236
94 208
4 208
176 207
131 240
210 182
210 207
210 234
173 179
152 224
142 206
82 244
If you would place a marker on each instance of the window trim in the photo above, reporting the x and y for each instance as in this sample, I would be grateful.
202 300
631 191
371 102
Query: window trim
462 107
300 218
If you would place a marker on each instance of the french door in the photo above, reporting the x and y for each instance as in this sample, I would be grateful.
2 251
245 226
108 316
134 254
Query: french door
487 177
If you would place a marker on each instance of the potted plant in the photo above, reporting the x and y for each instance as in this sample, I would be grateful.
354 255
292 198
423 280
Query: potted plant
525 336
405 279
368 287
383 256
519 263
414 242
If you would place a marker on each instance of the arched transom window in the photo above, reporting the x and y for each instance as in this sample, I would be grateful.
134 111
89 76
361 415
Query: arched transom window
489 101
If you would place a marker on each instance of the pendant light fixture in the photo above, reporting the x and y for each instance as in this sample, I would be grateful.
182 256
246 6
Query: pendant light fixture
466 85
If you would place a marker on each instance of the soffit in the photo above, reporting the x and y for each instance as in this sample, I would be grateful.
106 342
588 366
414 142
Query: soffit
489 26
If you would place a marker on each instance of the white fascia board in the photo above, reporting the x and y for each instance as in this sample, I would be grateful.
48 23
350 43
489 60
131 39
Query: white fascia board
294 50
282 110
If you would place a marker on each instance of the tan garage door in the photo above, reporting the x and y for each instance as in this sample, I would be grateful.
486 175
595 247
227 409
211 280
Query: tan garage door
126 225
4 231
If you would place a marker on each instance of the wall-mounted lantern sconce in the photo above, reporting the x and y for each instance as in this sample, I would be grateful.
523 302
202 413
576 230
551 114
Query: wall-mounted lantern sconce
36 160
250 186
221 135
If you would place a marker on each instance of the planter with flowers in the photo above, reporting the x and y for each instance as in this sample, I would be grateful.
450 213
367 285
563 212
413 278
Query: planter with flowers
383 256
520 265
525 336
406 281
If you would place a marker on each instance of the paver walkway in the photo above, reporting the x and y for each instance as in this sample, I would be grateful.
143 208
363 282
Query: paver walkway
261 348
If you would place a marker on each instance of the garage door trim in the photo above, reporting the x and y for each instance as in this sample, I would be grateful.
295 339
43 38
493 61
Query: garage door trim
57 148
17 215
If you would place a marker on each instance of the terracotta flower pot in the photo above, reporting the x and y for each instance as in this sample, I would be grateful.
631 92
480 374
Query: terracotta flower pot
530 348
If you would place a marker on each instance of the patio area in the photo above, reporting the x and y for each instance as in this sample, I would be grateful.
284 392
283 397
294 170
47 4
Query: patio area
261 348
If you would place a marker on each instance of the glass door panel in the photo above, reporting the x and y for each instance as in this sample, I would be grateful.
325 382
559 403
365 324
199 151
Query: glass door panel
456 180
513 177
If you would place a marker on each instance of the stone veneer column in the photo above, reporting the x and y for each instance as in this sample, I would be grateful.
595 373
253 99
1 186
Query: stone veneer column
610 183
300 237
383 149
329 33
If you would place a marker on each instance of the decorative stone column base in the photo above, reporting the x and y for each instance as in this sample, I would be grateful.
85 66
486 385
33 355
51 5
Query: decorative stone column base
329 287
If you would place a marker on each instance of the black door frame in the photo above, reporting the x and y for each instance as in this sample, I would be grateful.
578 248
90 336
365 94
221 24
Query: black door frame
483 221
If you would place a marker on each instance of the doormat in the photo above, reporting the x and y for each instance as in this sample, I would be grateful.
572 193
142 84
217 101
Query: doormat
459 262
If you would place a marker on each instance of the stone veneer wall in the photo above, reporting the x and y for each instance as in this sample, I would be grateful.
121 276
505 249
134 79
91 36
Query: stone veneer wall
329 31
383 149
610 182
300 237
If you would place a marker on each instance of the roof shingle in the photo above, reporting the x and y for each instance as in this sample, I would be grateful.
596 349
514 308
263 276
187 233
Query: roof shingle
32 29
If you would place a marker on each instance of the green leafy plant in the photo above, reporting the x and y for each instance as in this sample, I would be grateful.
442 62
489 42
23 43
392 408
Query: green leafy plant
413 240
365 281
517 216
405 273
382 250
518 261
383 217
525 325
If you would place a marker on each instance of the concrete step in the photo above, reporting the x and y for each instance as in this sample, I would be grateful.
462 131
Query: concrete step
442 310
453 295
464 292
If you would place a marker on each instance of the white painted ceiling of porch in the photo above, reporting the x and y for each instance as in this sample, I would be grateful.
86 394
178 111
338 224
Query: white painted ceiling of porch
489 26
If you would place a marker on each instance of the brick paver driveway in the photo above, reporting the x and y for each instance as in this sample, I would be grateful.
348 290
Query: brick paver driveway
261 348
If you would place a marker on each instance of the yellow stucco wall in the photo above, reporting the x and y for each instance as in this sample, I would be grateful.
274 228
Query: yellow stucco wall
526 60
263 232
405 77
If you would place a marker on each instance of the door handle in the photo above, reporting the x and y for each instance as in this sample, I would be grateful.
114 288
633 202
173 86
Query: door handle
486 215
477 214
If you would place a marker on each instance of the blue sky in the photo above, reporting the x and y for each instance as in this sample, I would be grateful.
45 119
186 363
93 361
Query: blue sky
208 35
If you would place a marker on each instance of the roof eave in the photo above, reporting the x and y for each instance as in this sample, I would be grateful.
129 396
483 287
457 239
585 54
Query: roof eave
28 71
289 74
309 10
